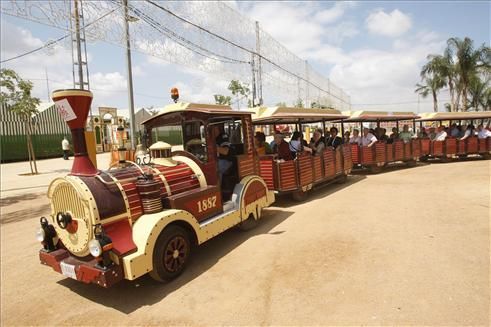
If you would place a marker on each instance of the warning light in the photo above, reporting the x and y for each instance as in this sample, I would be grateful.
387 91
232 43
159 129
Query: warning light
174 94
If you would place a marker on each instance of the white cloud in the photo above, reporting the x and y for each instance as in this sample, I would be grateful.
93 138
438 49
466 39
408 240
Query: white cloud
390 24
333 14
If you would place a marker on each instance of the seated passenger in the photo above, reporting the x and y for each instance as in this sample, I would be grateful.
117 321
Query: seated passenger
317 144
368 138
381 135
334 140
483 132
422 133
394 136
281 148
469 131
405 135
441 135
260 144
454 130
346 137
297 144
432 133
355 139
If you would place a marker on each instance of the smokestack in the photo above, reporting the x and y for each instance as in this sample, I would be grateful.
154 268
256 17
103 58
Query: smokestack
74 105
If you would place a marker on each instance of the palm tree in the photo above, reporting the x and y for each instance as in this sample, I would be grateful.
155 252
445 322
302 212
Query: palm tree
480 92
433 85
444 68
468 62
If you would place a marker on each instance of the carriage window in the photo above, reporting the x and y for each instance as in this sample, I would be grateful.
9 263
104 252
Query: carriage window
194 138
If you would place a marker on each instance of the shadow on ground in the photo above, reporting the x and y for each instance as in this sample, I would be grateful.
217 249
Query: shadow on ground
286 200
128 296
19 198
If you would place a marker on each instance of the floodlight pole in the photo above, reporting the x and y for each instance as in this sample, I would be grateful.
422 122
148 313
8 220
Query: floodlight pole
130 76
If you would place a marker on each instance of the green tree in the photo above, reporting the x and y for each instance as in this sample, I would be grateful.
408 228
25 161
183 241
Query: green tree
444 69
479 93
222 99
433 86
239 90
298 103
468 62
16 93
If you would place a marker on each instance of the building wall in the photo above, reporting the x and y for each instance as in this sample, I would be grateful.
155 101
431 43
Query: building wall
49 131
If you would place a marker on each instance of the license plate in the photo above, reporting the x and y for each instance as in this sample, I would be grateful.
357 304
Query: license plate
68 270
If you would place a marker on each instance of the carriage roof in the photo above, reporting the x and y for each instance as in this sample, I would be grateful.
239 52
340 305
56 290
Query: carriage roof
432 116
289 115
373 116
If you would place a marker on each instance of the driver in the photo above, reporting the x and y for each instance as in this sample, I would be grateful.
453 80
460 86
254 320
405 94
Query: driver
223 151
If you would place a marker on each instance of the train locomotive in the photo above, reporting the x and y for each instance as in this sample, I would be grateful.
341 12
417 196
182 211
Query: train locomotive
134 219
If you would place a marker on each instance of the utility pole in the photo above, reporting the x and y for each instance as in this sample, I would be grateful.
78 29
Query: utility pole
130 75
259 66
254 95
307 84
47 82
79 47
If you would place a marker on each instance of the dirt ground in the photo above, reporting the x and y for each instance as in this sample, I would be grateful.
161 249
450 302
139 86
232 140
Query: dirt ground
408 246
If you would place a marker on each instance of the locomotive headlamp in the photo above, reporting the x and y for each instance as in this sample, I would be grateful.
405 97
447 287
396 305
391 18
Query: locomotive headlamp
95 248
45 234
63 219
40 234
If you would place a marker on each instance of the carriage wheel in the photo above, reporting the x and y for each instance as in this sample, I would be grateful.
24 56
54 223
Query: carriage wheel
171 254
342 179
248 224
375 169
299 195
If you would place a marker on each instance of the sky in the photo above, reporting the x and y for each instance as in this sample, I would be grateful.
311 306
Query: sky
373 50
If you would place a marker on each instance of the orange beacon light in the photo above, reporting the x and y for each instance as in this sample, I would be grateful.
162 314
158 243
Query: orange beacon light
174 94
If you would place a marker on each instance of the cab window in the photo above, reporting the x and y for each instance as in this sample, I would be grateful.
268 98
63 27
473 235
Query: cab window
194 139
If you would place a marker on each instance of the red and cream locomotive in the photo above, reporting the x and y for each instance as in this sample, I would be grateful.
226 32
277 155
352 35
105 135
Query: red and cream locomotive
133 219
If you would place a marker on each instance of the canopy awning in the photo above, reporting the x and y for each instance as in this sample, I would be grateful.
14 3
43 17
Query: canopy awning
433 116
374 116
289 115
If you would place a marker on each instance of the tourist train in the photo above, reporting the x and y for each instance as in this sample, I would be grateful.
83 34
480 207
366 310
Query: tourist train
146 215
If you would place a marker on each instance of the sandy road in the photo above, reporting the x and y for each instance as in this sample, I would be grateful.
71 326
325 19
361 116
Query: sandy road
409 246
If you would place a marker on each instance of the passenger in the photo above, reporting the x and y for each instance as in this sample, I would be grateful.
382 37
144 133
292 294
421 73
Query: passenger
405 135
422 133
355 139
454 130
260 144
368 138
482 132
281 148
297 145
432 133
382 135
333 139
317 145
395 134
346 137
469 131
441 135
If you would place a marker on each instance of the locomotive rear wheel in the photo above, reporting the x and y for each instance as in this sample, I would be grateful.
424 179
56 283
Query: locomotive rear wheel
248 224
171 254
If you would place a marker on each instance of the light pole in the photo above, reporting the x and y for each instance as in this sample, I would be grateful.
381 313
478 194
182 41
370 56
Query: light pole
127 19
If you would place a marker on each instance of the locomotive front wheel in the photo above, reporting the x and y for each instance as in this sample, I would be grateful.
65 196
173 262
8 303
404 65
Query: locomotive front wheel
171 254
299 195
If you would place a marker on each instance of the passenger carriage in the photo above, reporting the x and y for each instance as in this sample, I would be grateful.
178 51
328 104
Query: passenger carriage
452 147
133 219
306 171
382 153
